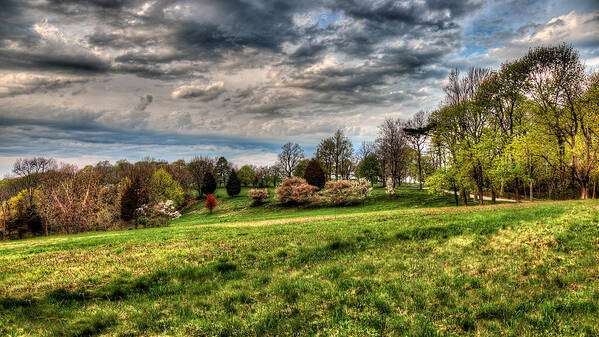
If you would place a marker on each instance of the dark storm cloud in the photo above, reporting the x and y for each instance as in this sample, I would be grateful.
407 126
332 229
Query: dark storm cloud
54 60
133 35
268 68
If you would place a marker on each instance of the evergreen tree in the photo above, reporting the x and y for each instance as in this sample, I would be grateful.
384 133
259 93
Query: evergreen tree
135 195
209 184
314 174
233 184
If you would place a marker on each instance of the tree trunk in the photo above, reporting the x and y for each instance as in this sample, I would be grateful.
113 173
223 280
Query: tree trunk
465 197
480 195
419 171
501 190
455 194
594 187
584 191
531 190
517 189
493 196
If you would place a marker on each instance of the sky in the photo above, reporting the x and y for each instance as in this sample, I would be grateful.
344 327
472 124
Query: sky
90 80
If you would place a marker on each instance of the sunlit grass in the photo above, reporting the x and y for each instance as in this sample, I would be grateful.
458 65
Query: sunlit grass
513 270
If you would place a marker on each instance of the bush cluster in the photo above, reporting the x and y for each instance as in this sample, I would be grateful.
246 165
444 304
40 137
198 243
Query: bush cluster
296 191
341 192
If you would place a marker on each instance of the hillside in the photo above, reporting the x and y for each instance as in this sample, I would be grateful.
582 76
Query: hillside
485 270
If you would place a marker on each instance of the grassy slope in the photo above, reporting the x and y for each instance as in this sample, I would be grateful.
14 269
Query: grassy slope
239 209
527 269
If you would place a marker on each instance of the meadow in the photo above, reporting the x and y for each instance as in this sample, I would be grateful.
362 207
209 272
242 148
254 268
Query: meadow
415 266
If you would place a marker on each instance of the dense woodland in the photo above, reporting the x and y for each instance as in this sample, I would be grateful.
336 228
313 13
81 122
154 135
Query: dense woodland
529 130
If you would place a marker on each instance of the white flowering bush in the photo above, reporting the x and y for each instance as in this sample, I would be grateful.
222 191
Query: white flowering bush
389 184
345 192
166 209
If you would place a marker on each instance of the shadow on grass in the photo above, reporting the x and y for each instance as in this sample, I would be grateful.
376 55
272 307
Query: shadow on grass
487 223
155 285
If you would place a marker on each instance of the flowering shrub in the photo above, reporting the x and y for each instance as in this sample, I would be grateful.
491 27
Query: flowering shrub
345 192
389 184
167 209
361 188
210 202
296 191
156 216
258 195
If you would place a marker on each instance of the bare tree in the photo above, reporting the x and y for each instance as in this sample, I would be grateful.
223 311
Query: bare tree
69 199
459 90
30 170
289 157
394 149
366 148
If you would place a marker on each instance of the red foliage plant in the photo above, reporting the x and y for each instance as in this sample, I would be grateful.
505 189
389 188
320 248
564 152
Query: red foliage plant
210 202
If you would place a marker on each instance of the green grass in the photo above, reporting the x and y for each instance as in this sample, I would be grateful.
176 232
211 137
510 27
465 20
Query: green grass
239 208
515 270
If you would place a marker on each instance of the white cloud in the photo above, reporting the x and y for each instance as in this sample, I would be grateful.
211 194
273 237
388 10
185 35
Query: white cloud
203 92
569 28
24 83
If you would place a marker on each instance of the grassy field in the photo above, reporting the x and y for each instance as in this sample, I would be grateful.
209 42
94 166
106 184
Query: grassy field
411 266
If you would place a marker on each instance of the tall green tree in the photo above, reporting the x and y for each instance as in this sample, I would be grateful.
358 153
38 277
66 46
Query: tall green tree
221 170
370 169
163 187
246 175
557 81
233 184
334 152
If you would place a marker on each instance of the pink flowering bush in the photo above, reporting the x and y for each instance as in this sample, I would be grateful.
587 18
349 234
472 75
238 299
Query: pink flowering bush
296 191
258 196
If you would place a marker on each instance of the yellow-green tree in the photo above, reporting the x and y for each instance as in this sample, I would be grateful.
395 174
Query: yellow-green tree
163 187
